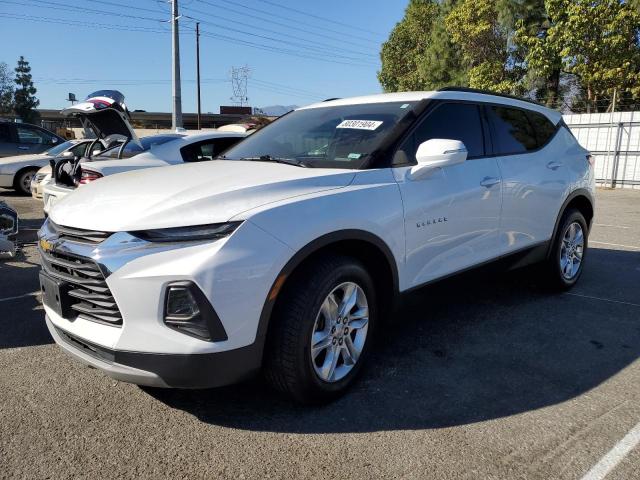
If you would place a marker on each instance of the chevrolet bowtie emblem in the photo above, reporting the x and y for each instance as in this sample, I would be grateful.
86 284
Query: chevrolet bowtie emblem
46 245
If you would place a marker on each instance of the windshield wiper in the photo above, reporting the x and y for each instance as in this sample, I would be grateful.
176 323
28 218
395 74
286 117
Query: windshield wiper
269 158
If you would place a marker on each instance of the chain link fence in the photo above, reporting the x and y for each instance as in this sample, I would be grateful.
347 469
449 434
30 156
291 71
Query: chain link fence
614 141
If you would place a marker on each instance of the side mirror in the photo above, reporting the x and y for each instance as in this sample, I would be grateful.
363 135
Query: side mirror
96 152
68 153
438 153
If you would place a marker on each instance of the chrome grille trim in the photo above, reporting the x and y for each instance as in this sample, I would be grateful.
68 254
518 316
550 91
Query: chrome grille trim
88 286
79 235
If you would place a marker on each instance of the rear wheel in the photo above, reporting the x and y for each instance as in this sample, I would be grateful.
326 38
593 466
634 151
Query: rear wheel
564 265
322 330
22 182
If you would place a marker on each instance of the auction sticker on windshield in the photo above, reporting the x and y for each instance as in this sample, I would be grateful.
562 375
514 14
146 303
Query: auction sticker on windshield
360 124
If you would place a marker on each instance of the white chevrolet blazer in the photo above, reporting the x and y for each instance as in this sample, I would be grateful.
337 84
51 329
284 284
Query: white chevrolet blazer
286 254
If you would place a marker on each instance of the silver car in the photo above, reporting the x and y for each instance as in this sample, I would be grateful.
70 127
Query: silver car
16 172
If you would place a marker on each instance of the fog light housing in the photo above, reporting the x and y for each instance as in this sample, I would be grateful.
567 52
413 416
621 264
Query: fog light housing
188 311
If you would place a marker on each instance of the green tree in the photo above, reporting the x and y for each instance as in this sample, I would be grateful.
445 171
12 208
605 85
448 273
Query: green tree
484 44
25 102
595 41
6 90
442 64
403 52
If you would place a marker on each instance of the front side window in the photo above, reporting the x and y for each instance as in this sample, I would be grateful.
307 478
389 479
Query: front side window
34 136
514 134
453 121
325 137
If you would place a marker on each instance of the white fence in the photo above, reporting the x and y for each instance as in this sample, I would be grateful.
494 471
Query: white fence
614 141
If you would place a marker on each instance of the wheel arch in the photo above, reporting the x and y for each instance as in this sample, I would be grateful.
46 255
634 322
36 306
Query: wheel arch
21 171
370 249
581 200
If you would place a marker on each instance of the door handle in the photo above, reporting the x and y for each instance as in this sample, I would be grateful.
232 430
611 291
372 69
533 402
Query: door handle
23 148
489 182
554 165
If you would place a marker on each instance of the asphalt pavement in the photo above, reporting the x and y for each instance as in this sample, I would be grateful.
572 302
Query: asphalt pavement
487 376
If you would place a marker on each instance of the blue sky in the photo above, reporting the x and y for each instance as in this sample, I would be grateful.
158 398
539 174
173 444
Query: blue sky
298 51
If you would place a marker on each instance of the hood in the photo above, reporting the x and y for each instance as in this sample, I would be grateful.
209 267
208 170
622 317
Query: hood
105 113
26 159
189 194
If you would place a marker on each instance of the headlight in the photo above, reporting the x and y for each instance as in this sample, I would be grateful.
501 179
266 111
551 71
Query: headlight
187 234
8 220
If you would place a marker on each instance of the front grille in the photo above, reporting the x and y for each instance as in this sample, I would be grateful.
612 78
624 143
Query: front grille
79 235
90 295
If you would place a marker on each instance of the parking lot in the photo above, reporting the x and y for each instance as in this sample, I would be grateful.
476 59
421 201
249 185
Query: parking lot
485 376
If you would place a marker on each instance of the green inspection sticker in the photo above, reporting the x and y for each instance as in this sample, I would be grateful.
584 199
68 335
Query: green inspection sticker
354 156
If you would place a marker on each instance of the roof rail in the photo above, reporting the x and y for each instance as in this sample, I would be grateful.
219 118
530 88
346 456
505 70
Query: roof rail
487 92
330 99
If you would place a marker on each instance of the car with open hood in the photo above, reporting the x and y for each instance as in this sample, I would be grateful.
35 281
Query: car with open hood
288 252
110 123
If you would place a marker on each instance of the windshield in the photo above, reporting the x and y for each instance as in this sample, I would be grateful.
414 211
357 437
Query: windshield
131 149
58 149
328 137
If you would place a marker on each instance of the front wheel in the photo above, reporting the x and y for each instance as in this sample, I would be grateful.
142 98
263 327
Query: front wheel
565 262
322 329
23 181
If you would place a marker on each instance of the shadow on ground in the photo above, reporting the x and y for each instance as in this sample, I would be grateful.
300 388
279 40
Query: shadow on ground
21 314
484 346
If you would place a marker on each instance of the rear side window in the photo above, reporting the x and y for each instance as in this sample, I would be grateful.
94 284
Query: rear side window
513 131
543 127
453 121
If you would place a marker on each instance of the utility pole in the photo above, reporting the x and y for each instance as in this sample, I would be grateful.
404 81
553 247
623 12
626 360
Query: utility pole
198 68
176 116
609 133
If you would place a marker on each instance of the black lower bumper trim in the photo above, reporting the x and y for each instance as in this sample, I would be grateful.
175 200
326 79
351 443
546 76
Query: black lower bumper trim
203 370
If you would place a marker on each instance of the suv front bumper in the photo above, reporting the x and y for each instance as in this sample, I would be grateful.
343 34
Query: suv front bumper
163 370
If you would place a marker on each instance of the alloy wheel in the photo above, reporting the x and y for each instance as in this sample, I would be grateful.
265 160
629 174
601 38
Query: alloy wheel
571 251
340 332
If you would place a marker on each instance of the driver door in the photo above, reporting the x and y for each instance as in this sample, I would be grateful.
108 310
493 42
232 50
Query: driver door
452 215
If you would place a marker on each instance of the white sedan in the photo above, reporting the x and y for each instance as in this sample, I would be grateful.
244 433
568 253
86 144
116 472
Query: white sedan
17 172
151 151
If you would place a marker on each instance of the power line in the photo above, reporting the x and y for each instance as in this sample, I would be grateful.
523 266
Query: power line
254 82
318 17
316 45
280 50
225 38
314 50
295 20
70 8
104 26
306 31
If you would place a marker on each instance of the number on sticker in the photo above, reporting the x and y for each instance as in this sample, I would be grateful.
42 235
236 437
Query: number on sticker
360 124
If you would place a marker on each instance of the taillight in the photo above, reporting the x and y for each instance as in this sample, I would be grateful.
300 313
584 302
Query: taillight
591 159
89 176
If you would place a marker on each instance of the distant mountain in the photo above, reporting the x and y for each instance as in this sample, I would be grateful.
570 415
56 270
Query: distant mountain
277 110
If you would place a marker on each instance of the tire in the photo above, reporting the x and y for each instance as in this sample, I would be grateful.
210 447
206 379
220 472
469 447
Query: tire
557 274
304 308
22 182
